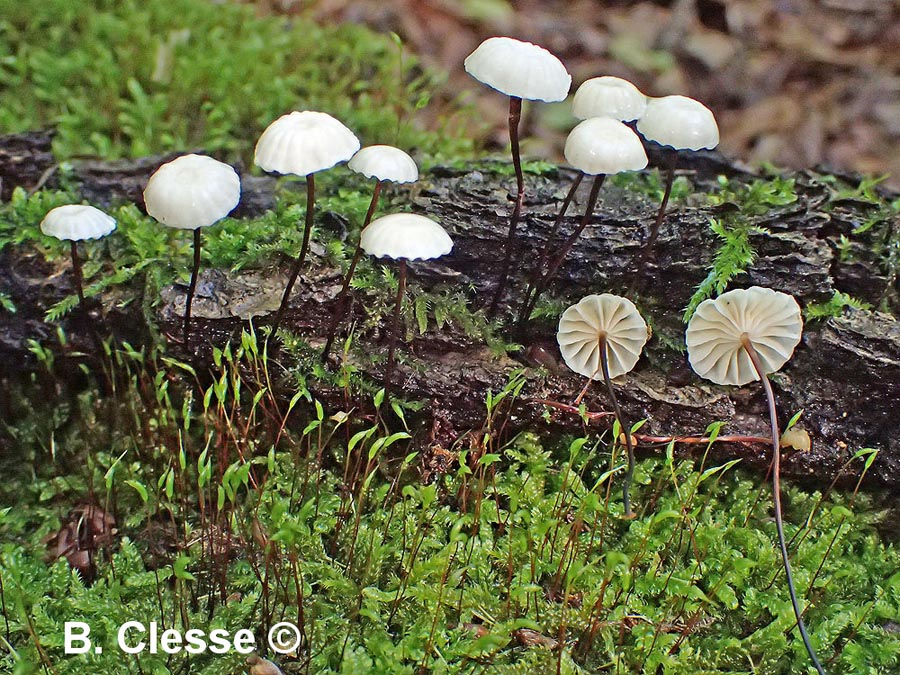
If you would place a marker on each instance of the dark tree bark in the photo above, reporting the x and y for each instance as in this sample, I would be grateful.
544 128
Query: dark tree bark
845 375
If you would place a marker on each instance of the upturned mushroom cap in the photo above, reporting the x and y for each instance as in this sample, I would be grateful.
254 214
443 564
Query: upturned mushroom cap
192 191
519 69
608 96
405 235
385 162
75 222
582 325
305 142
679 122
770 319
604 145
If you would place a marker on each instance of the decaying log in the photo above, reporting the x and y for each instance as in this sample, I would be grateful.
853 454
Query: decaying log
845 375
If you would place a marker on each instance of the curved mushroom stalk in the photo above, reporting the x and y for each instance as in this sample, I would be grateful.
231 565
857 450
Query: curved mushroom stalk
741 336
776 493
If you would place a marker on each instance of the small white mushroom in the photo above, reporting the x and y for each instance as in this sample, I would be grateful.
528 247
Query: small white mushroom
608 96
74 223
769 320
614 319
741 336
383 163
302 144
601 337
521 70
402 237
680 123
189 193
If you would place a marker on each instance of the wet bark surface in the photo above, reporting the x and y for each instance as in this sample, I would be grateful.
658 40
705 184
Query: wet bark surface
845 375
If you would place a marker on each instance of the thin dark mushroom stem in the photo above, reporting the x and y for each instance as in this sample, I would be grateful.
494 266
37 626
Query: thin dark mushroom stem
345 289
515 116
541 286
392 339
625 430
776 489
195 271
670 179
76 271
301 257
545 254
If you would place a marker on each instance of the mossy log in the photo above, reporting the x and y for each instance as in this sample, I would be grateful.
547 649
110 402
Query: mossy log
845 375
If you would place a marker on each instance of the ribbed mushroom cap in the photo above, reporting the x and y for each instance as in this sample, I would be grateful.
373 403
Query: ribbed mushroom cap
520 69
604 145
405 235
305 142
608 96
192 191
77 222
770 319
679 122
582 324
385 162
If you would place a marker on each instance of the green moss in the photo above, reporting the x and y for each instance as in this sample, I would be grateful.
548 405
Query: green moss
130 78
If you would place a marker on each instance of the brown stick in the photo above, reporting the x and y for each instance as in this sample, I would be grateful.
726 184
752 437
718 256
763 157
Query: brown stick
670 178
566 247
515 116
392 340
538 270
626 430
345 289
307 230
76 271
195 270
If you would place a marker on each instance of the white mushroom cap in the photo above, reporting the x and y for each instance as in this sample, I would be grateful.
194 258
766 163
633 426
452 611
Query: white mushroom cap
77 222
519 69
582 325
385 162
305 142
679 122
405 235
192 191
608 96
771 320
604 145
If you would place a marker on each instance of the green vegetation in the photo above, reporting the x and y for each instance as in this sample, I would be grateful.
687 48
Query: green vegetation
124 78
238 510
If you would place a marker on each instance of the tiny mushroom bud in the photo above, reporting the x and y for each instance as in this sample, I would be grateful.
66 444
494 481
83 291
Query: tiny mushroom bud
599 146
741 336
302 144
403 236
608 96
189 193
521 70
383 163
74 223
601 337
681 123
